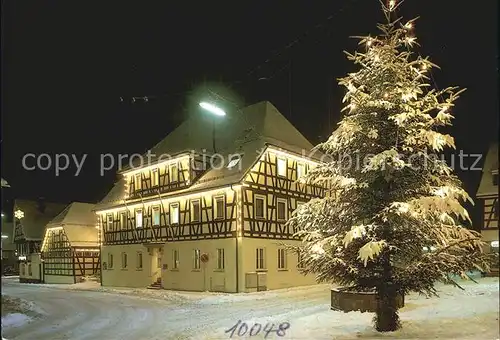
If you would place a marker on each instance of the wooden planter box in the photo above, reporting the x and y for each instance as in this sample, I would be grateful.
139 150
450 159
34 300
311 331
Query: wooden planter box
348 301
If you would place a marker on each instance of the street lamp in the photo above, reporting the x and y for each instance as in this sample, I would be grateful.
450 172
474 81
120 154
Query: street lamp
215 110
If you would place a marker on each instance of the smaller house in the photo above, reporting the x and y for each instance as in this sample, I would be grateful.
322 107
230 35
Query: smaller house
70 248
30 219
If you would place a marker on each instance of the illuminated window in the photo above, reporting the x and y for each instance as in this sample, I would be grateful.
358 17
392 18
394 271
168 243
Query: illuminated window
110 222
281 258
156 216
281 209
195 210
281 165
173 173
219 212
138 218
154 177
123 221
301 170
259 206
196 259
138 182
174 213
260 258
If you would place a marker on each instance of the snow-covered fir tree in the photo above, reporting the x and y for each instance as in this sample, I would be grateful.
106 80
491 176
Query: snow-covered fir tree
392 220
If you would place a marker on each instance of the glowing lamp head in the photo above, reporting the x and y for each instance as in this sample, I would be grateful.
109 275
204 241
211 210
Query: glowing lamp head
212 109
5 236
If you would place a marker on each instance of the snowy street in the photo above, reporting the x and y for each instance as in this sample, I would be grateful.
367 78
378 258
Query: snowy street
84 311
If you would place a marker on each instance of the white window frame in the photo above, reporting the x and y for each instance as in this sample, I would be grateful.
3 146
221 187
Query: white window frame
280 171
196 259
260 259
124 260
220 260
264 206
301 169
156 209
172 207
110 221
139 260
123 220
282 259
155 178
173 178
216 209
139 216
175 259
193 203
138 182
285 212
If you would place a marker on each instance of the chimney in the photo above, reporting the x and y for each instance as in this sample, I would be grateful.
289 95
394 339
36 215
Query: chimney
41 204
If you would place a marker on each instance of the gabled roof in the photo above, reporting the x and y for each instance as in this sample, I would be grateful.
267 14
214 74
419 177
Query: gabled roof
261 120
35 220
76 213
486 187
246 132
79 223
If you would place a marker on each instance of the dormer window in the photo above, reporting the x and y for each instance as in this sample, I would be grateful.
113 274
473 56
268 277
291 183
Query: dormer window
301 170
281 166
138 182
173 173
154 177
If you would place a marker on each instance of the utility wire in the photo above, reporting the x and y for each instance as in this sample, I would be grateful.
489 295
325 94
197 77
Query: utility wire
275 53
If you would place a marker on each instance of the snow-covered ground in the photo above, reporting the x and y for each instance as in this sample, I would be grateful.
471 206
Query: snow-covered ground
87 311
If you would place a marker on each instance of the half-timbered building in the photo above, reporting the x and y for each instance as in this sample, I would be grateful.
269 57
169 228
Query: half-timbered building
70 248
196 220
30 219
487 195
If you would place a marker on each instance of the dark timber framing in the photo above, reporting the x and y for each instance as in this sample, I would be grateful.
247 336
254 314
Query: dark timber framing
281 187
62 259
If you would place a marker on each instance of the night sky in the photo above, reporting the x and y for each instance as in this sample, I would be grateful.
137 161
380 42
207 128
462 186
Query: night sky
66 65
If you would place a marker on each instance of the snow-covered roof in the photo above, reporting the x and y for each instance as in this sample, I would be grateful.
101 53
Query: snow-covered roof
246 132
35 219
486 187
79 223
76 213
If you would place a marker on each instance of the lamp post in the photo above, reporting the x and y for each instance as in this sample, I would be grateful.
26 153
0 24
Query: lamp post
216 111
